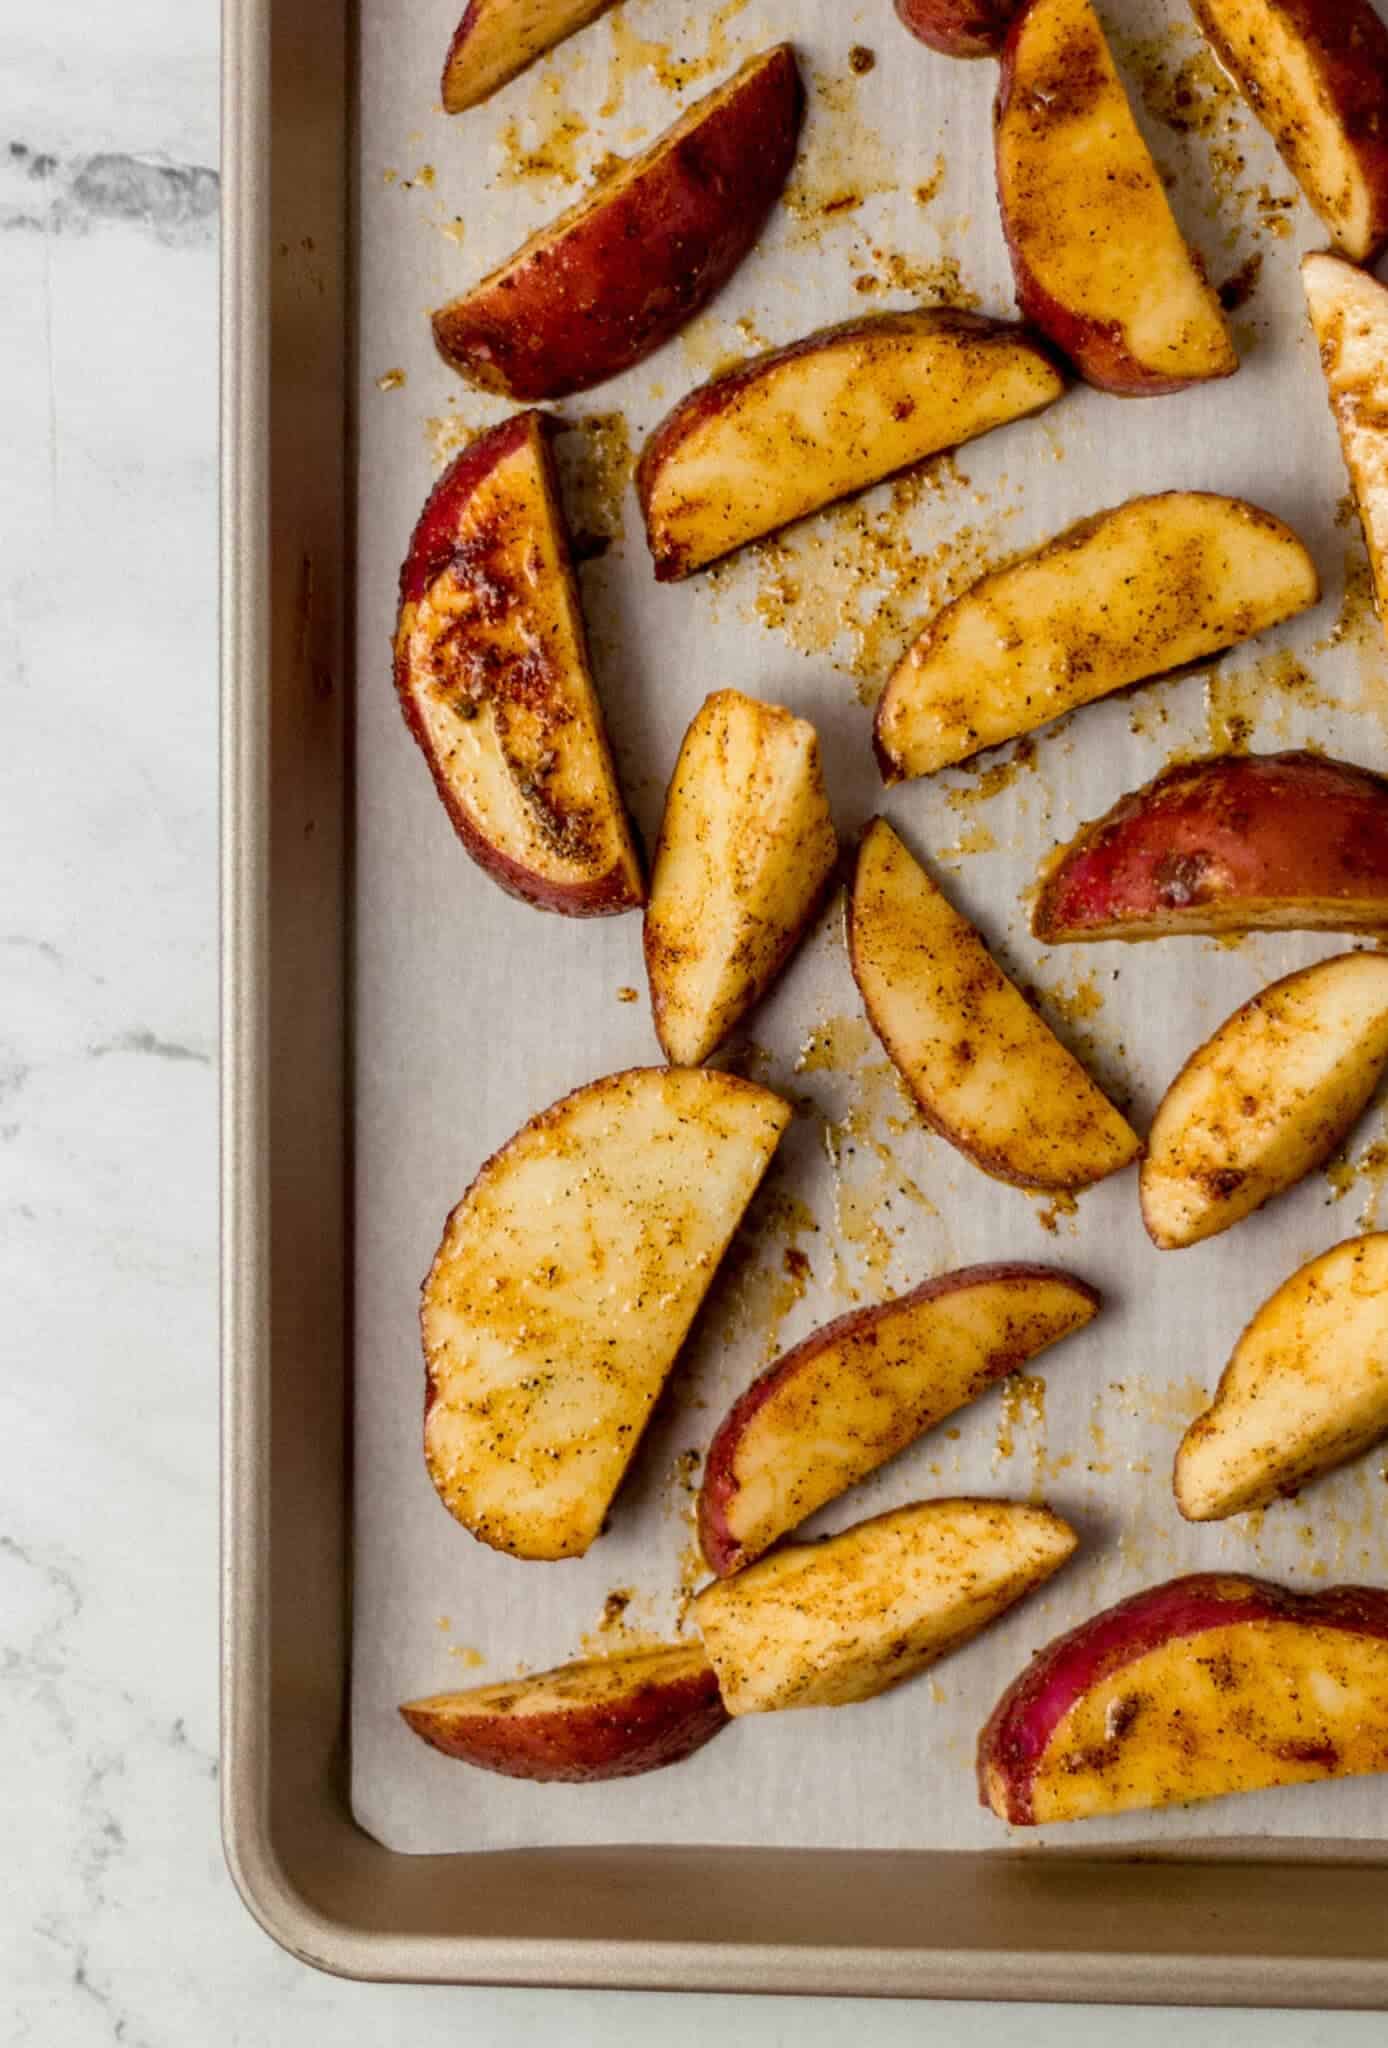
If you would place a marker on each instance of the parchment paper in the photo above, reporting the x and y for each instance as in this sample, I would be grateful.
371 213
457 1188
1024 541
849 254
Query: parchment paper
473 1011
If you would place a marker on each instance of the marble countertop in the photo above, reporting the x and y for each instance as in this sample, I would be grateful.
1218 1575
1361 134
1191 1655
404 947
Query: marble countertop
119 1923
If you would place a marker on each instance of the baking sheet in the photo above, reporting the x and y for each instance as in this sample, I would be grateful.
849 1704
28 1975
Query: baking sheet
472 1011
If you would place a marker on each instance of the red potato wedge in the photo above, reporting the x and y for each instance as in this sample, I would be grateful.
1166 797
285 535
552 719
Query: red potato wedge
1315 72
1235 843
860 1390
564 1286
642 253
828 1624
1305 1391
1349 313
607 1717
1099 261
1267 1099
959 28
498 39
1134 592
492 672
985 1070
787 433
747 849
1205 1686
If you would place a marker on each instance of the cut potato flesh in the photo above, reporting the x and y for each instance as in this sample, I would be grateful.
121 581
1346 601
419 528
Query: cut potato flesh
498 39
860 1390
1100 263
746 851
985 1070
1269 1097
1315 72
1349 312
606 1717
1145 588
827 1624
787 433
565 1284
1306 1388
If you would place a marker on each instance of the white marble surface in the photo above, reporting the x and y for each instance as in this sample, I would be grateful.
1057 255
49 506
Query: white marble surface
117 1920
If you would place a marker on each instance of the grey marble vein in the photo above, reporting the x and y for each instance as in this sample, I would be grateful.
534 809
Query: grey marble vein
41 192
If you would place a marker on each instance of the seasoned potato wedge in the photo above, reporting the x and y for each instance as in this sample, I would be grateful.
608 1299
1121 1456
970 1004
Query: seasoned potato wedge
1349 312
565 1284
498 39
1131 593
491 667
959 28
1306 1388
1100 264
1315 72
985 1070
746 852
624 269
864 1387
1269 1097
1235 843
607 1717
787 433
827 1624
1204 1686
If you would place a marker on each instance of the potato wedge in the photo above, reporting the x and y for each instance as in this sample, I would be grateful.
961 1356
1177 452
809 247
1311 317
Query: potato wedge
1315 72
606 1717
747 849
564 1286
1305 1391
642 253
1208 1685
959 28
1133 592
498 39
986 1071
828 1624
1235 843
1100 263
1349 313
861 1389
1268 1098
492 671
787 433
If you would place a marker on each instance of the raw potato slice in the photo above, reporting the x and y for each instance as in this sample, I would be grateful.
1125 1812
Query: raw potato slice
1235 843
1268 1098
1134 592
1204 1686
1349 312
787 433
607 1717
746 852
491 668
827 1624
1306 1388
638 256
1100 264
863 1388
985 1070
565 1284
498 39
1315 72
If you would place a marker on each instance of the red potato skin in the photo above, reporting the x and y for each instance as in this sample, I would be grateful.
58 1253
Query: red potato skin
1016 1736
573 310
653 1726
1096 349
959 28
722 1552
708 400
1234 827
431 550
1350 43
